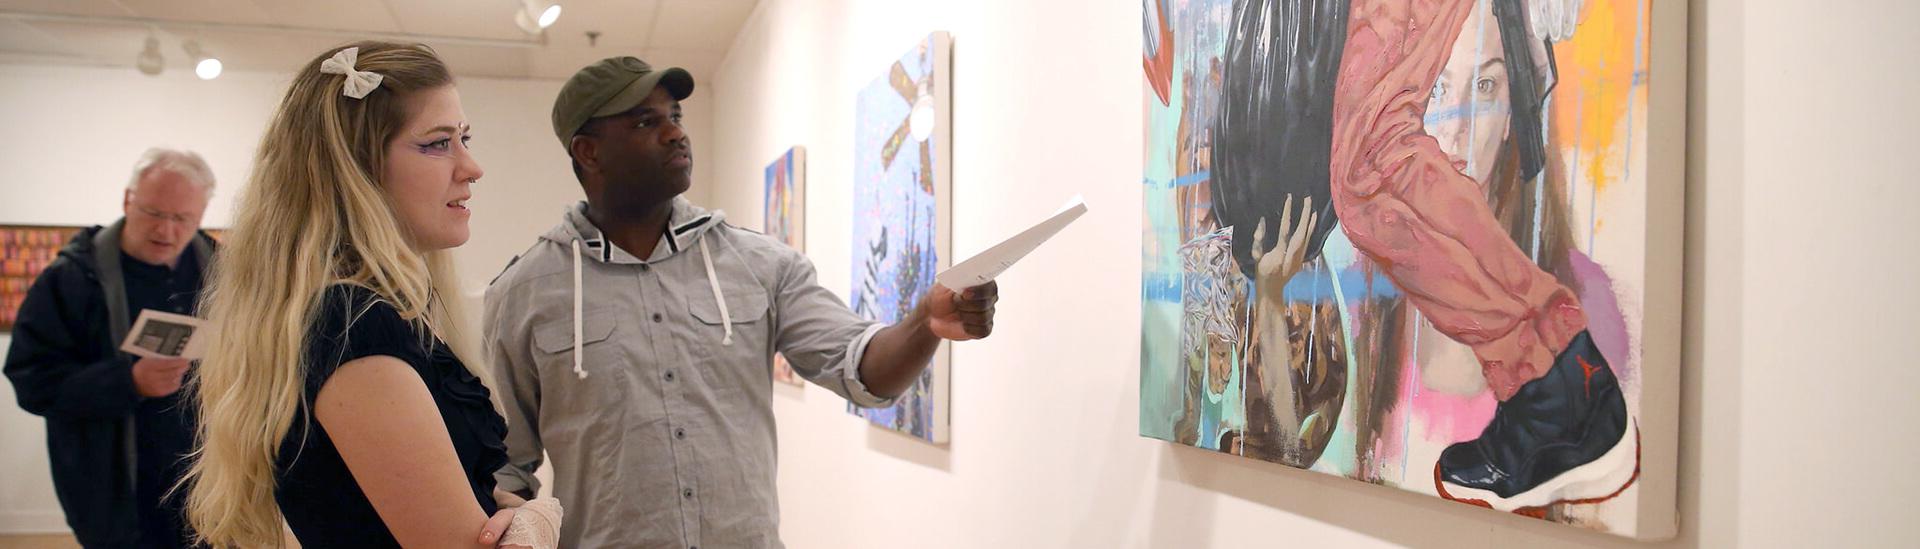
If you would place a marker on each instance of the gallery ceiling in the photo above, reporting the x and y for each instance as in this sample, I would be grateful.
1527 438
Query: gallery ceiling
476 37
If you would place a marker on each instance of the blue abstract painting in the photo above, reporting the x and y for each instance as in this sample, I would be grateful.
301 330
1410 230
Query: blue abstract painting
901 172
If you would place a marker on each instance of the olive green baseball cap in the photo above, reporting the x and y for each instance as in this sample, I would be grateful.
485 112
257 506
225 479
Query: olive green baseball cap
612 86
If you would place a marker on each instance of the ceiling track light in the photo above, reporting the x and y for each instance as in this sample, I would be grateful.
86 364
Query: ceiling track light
534 16
205 66
149 61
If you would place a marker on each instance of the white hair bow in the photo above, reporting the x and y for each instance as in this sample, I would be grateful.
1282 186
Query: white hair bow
359 83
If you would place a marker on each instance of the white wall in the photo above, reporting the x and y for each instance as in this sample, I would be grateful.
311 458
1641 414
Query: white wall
1828 416
70 135
1797 417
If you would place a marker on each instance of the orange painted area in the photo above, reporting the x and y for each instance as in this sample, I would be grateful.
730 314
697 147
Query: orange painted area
1596 84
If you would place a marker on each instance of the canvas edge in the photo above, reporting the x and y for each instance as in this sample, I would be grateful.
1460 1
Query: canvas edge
942 43
1658 513
797 163
1141 419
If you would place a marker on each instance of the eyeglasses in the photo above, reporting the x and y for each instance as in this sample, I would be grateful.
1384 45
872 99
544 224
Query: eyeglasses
176 218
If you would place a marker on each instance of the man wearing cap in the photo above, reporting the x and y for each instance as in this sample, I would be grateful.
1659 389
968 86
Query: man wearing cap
633 343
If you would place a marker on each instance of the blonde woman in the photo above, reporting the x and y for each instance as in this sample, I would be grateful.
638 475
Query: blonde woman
337 392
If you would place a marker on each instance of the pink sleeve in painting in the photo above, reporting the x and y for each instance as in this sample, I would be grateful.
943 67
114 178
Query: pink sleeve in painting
1428 226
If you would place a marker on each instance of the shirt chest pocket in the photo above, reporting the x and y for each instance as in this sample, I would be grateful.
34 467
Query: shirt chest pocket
746 310
746 359
602 357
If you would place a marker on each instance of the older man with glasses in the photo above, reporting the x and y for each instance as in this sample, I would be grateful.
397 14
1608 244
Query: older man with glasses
116 426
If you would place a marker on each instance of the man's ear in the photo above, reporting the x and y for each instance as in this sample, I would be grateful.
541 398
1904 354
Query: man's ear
585 152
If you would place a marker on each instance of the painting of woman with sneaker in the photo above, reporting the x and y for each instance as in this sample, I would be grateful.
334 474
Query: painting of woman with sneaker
1433 207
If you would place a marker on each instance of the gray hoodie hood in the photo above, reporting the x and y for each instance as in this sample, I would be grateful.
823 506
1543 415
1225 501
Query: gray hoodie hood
685 227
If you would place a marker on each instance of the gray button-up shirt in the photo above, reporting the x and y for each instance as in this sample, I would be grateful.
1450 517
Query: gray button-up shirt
659 422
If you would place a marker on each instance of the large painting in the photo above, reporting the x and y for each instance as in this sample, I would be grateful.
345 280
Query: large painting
786 220
25 251
1416 243
902 170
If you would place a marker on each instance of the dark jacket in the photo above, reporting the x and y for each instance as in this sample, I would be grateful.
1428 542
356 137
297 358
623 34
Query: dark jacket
66 366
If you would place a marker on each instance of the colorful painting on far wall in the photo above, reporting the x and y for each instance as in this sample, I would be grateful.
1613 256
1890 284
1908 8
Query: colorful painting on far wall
902 172
786 219
25 250
1415 244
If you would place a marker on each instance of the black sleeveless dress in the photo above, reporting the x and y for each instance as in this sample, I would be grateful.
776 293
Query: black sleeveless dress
316 492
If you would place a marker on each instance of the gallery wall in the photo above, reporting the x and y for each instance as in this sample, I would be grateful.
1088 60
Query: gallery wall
71 134
1795 420
1797 417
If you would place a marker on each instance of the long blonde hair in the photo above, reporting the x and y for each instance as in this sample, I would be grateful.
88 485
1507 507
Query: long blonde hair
313 215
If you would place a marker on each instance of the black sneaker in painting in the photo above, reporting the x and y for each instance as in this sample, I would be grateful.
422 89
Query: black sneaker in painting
1563 438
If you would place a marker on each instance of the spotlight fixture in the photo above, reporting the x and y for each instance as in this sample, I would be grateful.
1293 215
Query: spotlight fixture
205 66
149 61
534 16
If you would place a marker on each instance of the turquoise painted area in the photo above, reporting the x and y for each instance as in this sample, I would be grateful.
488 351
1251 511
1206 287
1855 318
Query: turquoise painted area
1340 458
1163 123
1183 181
1162 241
1223 411
1200 28
1163 287
1161 374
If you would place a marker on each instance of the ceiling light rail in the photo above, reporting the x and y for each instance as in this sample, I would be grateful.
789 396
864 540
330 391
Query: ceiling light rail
31 17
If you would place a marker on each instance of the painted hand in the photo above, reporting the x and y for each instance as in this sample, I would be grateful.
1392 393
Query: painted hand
1288 255
960 316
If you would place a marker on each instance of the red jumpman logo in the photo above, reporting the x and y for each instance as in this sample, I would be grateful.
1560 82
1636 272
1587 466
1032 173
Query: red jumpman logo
1587 370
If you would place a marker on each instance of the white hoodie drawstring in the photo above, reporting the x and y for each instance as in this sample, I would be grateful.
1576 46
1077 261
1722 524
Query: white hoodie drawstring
577 324
718 299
